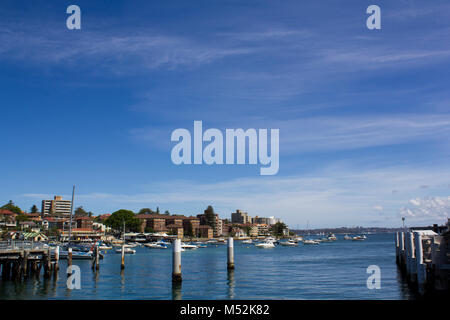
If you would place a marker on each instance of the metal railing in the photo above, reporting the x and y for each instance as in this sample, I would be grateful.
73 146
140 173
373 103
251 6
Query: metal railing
21 245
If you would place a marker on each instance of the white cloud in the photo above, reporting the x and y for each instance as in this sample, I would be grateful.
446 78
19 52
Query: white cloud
428 210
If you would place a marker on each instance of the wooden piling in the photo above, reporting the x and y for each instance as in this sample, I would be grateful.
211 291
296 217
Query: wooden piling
230 255
45 262
122 265
421 267
176 261
402 250
97 258
412 268
16 270
397 243
26 253
69 257
56 259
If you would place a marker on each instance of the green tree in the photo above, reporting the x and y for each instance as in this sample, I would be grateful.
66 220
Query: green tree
21 217
34 209
188 231
277 229
157 210
146 211
117 218
167 213
12 207
80 212
210 216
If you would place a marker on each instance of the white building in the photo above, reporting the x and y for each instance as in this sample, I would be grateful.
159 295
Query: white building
56 206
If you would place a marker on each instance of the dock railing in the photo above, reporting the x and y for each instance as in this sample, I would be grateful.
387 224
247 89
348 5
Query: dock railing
21 245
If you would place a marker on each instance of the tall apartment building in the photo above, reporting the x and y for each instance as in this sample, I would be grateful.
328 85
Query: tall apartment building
240 217
218 224
56 206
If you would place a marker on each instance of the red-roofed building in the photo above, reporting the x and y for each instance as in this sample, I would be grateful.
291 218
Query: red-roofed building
84 222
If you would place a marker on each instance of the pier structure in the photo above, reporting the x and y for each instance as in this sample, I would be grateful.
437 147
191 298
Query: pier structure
22 259
423 257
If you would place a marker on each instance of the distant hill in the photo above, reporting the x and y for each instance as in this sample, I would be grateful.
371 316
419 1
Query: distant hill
345 230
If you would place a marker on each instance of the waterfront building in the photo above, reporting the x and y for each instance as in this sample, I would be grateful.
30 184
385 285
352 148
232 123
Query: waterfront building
84 222
154 222
205 232
56 206
260 220
218 223
240 217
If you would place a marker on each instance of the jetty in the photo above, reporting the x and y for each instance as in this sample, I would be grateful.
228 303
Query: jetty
423 257
22 259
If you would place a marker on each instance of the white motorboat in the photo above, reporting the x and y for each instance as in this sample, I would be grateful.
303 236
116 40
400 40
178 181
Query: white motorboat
289 243
126 250
104 248
156 245
359 238
248 241
347 237
331 237
188 246
131 245
310 241
265 245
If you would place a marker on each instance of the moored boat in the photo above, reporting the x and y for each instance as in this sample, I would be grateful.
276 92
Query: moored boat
265 245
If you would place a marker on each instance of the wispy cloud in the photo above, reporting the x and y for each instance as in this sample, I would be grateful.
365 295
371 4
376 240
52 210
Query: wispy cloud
329 133
335 196
120 53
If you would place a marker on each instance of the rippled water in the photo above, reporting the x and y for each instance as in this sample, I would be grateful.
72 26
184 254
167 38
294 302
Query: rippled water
335 270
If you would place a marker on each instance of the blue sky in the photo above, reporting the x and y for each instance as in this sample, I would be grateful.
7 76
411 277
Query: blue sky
364 115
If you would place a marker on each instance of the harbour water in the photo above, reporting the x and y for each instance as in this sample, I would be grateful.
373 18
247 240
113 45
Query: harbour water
330 270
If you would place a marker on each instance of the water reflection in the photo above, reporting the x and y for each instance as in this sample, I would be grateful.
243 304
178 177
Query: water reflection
405 290
122 280
176 291
231 284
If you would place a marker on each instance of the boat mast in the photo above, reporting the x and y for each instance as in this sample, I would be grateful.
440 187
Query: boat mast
71 211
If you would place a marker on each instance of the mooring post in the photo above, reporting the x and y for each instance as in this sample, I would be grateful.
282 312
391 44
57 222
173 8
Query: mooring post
412 258
16 269
396 247
34 267
45 261
26 253
421 268
97 258
407 254
56 259
122 265
69 257
230 264
402 249
176 261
